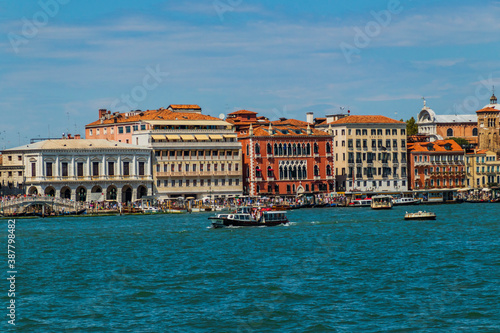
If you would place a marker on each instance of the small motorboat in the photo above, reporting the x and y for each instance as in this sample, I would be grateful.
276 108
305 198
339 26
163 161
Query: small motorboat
249 217
420 216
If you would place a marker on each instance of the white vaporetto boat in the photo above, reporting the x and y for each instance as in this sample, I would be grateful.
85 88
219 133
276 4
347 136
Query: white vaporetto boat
420 216
406 201
381 202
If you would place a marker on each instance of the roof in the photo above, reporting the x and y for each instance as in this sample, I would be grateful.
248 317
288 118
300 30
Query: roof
161 114
437 146
242 112
460 118
77 144
366 120
294 122
490 108
283 131
478 152
184 107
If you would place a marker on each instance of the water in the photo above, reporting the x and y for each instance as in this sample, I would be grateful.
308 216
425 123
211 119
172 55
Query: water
330 270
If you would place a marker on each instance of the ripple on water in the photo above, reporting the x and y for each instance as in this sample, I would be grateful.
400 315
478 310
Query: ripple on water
339 269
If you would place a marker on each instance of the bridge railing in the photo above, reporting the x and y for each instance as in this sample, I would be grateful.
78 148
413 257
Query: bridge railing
22 201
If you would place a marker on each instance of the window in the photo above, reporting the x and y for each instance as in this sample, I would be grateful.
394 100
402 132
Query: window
172 183
48 169
111 168
95 168
187 183
79 169
33 169
358 132
373 132
403 131
379 132
97 132
19 158
403 144
112 130
387 132
64 169
90 134
143 127
127 129
394 132
120 130
126 168
141 168
135 128
474 132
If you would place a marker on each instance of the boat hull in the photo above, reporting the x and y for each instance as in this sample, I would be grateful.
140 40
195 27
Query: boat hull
223 223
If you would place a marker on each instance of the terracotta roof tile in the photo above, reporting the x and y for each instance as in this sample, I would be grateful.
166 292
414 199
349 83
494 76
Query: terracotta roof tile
184 106
437 146
366 120
242 112
162 114
488 109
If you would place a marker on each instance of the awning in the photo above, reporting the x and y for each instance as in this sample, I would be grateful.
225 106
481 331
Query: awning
215 137
158 137
187 137
270 169
258 169
230 136
201 137
173 137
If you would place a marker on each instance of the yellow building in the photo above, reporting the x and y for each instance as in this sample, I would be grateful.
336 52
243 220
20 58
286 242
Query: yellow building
483 169
370 154
11 173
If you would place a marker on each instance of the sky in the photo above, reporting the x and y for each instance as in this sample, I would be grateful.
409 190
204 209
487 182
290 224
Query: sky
63 60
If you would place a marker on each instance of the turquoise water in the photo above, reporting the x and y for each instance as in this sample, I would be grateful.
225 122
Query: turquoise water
330 270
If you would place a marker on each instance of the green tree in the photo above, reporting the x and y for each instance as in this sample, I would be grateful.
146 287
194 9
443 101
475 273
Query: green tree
460 141
411 127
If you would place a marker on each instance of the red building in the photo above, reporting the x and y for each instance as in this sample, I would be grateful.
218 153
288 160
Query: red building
436 165
284 157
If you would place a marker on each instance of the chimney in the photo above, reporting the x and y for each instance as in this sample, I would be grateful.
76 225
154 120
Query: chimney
310 117
330 118
102 112
78 136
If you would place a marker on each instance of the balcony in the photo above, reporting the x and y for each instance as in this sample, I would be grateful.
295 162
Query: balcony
350 161
317 178
257 155
316 155
329 154
258 178
270 155
270 178
359 161
329 177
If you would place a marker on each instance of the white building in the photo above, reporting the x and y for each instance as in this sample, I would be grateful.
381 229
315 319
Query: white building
86 170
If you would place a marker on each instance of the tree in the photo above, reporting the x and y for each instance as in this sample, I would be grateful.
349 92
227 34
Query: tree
411 127
461 141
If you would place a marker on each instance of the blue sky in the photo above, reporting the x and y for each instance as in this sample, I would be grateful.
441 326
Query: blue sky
279 58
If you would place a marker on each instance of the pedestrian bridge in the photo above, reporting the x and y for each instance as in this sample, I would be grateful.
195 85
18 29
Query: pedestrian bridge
32 203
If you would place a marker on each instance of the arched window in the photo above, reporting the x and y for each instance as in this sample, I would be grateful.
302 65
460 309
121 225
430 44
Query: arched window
284 149
474 132
449 132
316 148
303 149
308 150
248 150
281 172
275 149
258 189
294 149
328 170
304 173
269 149
269 171
258 172
294 172
328 147
316 170
299 150
257 149
285 173
289 149
280 152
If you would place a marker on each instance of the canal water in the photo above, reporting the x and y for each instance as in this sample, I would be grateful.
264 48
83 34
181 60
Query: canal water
329 270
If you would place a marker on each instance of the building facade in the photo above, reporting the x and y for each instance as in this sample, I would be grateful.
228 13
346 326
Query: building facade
195 155
86 170
436 165
194 158
439 127
11 174
489 126
483 168
284 158
121 126
370 154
